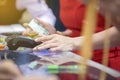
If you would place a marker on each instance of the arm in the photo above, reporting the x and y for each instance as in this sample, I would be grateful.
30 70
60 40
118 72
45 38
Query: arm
37 8
99 38
111 6
113 33
57 42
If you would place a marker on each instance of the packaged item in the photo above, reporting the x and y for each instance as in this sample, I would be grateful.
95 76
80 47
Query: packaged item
35 26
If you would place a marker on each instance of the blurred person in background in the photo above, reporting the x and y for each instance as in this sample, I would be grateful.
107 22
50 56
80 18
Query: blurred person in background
55 6
21 11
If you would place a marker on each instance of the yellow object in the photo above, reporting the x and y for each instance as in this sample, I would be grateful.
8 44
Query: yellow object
88 31
2 46
9 13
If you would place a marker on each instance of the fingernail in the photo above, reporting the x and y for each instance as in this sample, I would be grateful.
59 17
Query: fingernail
36 39
53 49
34 49
39 48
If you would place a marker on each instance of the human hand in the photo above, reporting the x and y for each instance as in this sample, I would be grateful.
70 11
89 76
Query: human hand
67 32
29 32
8 70
55 42
51 29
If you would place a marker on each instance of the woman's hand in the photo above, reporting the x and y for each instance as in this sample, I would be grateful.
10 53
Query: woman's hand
67 32
31 33
51 29
55 42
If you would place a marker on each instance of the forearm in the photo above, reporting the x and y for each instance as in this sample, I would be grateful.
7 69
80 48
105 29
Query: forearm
112 34
99 38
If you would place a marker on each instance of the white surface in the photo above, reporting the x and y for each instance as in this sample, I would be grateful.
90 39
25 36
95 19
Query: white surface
12 28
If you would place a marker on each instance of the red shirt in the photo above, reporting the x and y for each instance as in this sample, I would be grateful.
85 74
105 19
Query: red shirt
72 15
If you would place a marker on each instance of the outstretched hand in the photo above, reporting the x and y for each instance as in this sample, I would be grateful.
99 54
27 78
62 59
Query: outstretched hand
29 32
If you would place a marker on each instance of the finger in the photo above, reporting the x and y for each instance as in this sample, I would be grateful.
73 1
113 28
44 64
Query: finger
26 26
43 47
49 42
44 38
39 48
54 49
25 33
59 32
67 32
46 25
41 22
60 48
30 33
51 29
46 46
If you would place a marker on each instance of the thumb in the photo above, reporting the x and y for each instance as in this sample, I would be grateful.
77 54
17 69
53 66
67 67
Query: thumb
67 32
26 26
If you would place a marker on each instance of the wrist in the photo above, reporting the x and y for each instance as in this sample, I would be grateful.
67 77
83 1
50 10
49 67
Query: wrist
77 43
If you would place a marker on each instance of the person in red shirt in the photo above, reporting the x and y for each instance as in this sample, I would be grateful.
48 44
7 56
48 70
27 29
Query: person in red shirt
72 15
58 42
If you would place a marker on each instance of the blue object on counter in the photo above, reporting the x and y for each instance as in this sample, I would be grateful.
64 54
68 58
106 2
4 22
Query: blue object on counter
44 53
